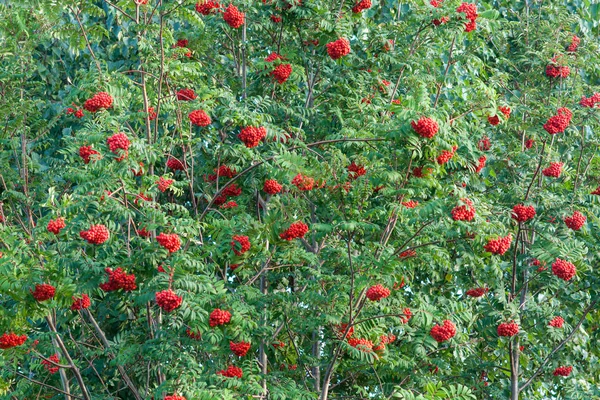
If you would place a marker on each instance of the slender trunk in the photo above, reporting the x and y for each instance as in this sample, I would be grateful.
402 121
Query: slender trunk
262 357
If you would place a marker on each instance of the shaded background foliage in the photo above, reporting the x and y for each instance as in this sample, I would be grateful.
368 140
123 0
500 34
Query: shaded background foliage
327 115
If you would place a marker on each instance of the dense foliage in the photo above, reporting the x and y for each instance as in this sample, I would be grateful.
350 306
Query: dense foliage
299 199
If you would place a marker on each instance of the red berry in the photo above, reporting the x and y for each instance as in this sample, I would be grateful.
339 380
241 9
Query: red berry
296 230
444 332
304 183
80 303
563 371
223 170
563 269
499 246
361 5
118 279
425 127
465 212
445 156
341 328
48 364
377 292
590 101
233 17
174 397
523 213
406 317
480 165
508 329
43 292
169 241
576 221
364 345
96 234
410 203
271 186
168 300
338 48
554 170
231 372
56 225
529 143
240 349
119 141
556 322
175 164
282 72
559 122
186 95
477 292
240 244
193 335
356 170
494 120
86 153
574 44
252 136
164 184
9 340
219 317
101 100
207 7
199 118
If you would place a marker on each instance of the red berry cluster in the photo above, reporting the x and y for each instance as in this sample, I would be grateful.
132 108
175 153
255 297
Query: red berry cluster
295 231
590 101
56 225
356 170
86 152
361 5
383 340
508 329
240 349
48 364
96 234
446 156
199 118
554 170
229 191
219 317
240 244
119 141
465 212
271 186
282 72
377 292
555 71
470 11
101 100
169 241
484 144
231 372
174 164
575 221
186 95
499 246
505 110
118 279
562 371
174 397
43 292
529 143
80 303
339 48
559 122
477 292
303 182
233 17
78 112
480 164
341 328
168 300
425 127
523 213
494 120
574 44
563 269
410 203
440 21
407 315
223 170
207 7
272 57
364 345
164 184
252 136
556 322
9 340
444 332
193 335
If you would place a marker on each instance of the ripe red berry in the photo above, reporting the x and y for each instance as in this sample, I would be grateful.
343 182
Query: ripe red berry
49 363
499 246
406 317
304 183
559 122
529 143
240 244
119 141
207 7
590 101
523 213
444 332
425 127
563 269
223 170
199 118
240 349
186 95
480 165
282 72
554 170
43 292
164 184
219 317
233 17
338 48
296 230
101 100
86 153
96 234
9 340
508 329
477 292
168 300
169 241
574 44
118 279
576 221
410 203
562 371
271 186
231 372
56 225
361 5
377 292
174 397
276 18
556 322
465 212
193 335
252 136
174 164
341 328
494 120
555 71
363 345
82 302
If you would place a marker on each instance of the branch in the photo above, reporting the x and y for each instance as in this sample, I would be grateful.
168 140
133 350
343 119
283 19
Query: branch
45 385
